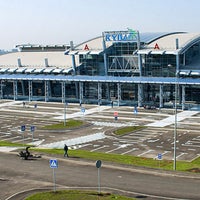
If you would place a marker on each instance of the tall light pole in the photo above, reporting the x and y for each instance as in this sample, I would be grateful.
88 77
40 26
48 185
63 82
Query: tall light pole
175 120
65 106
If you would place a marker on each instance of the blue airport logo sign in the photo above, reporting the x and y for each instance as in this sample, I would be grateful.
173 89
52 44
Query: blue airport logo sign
122 36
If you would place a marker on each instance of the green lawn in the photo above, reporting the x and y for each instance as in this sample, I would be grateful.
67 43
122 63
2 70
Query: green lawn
128 129
126 159
75 195
69 124
10 144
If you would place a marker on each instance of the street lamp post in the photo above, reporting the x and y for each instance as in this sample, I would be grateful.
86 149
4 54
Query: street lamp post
175 121
65 106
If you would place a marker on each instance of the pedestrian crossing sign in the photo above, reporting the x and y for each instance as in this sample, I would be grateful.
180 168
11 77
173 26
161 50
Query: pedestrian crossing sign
53 163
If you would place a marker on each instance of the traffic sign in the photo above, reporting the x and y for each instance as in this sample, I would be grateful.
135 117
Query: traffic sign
160 156
32 128
135 110
53 163
115 114
82 109
98 163
23 128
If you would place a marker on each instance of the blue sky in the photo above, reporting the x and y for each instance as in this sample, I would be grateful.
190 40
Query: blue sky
60 21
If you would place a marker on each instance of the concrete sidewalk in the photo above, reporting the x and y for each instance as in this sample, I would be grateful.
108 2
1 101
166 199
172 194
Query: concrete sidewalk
83 112
170 120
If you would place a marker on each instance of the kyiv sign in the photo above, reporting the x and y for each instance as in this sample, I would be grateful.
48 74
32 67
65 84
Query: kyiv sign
129 35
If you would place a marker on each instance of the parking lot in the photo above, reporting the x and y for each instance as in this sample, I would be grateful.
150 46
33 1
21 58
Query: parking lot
154 139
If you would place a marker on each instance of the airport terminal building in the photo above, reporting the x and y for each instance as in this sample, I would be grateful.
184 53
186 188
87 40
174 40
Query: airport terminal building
122 67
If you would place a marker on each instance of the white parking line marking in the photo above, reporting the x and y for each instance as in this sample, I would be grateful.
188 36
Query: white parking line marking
113 149
120 147
3 136
130 141
195 157
181 155
152 141
99 148
97 128
165 152
191 149
23 140
134 137
191 145
79 146
198 139
11 138
145 152
129 151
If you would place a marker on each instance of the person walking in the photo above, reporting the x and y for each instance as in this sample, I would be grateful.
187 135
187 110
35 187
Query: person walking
66 151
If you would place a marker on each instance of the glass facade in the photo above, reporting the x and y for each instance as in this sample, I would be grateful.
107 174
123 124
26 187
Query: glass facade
159 65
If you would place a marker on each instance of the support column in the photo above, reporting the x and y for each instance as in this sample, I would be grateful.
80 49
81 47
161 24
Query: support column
108 91
46 91
15 90
140 94
73 58
138 40
23 89
1 90
140 86
140 64
74 64
161 96
99 93
77 89
183 97
177 64
30 90
63 92
80 93
118 93
105 57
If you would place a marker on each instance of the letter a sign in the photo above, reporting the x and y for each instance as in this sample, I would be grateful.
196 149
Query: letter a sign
156 46
86 48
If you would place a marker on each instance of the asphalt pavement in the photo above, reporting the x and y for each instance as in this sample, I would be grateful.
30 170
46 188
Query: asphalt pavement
22 177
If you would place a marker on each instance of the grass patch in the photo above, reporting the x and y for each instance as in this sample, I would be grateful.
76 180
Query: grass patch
75 195
126 159
193 166
10 144
69 124
128 129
